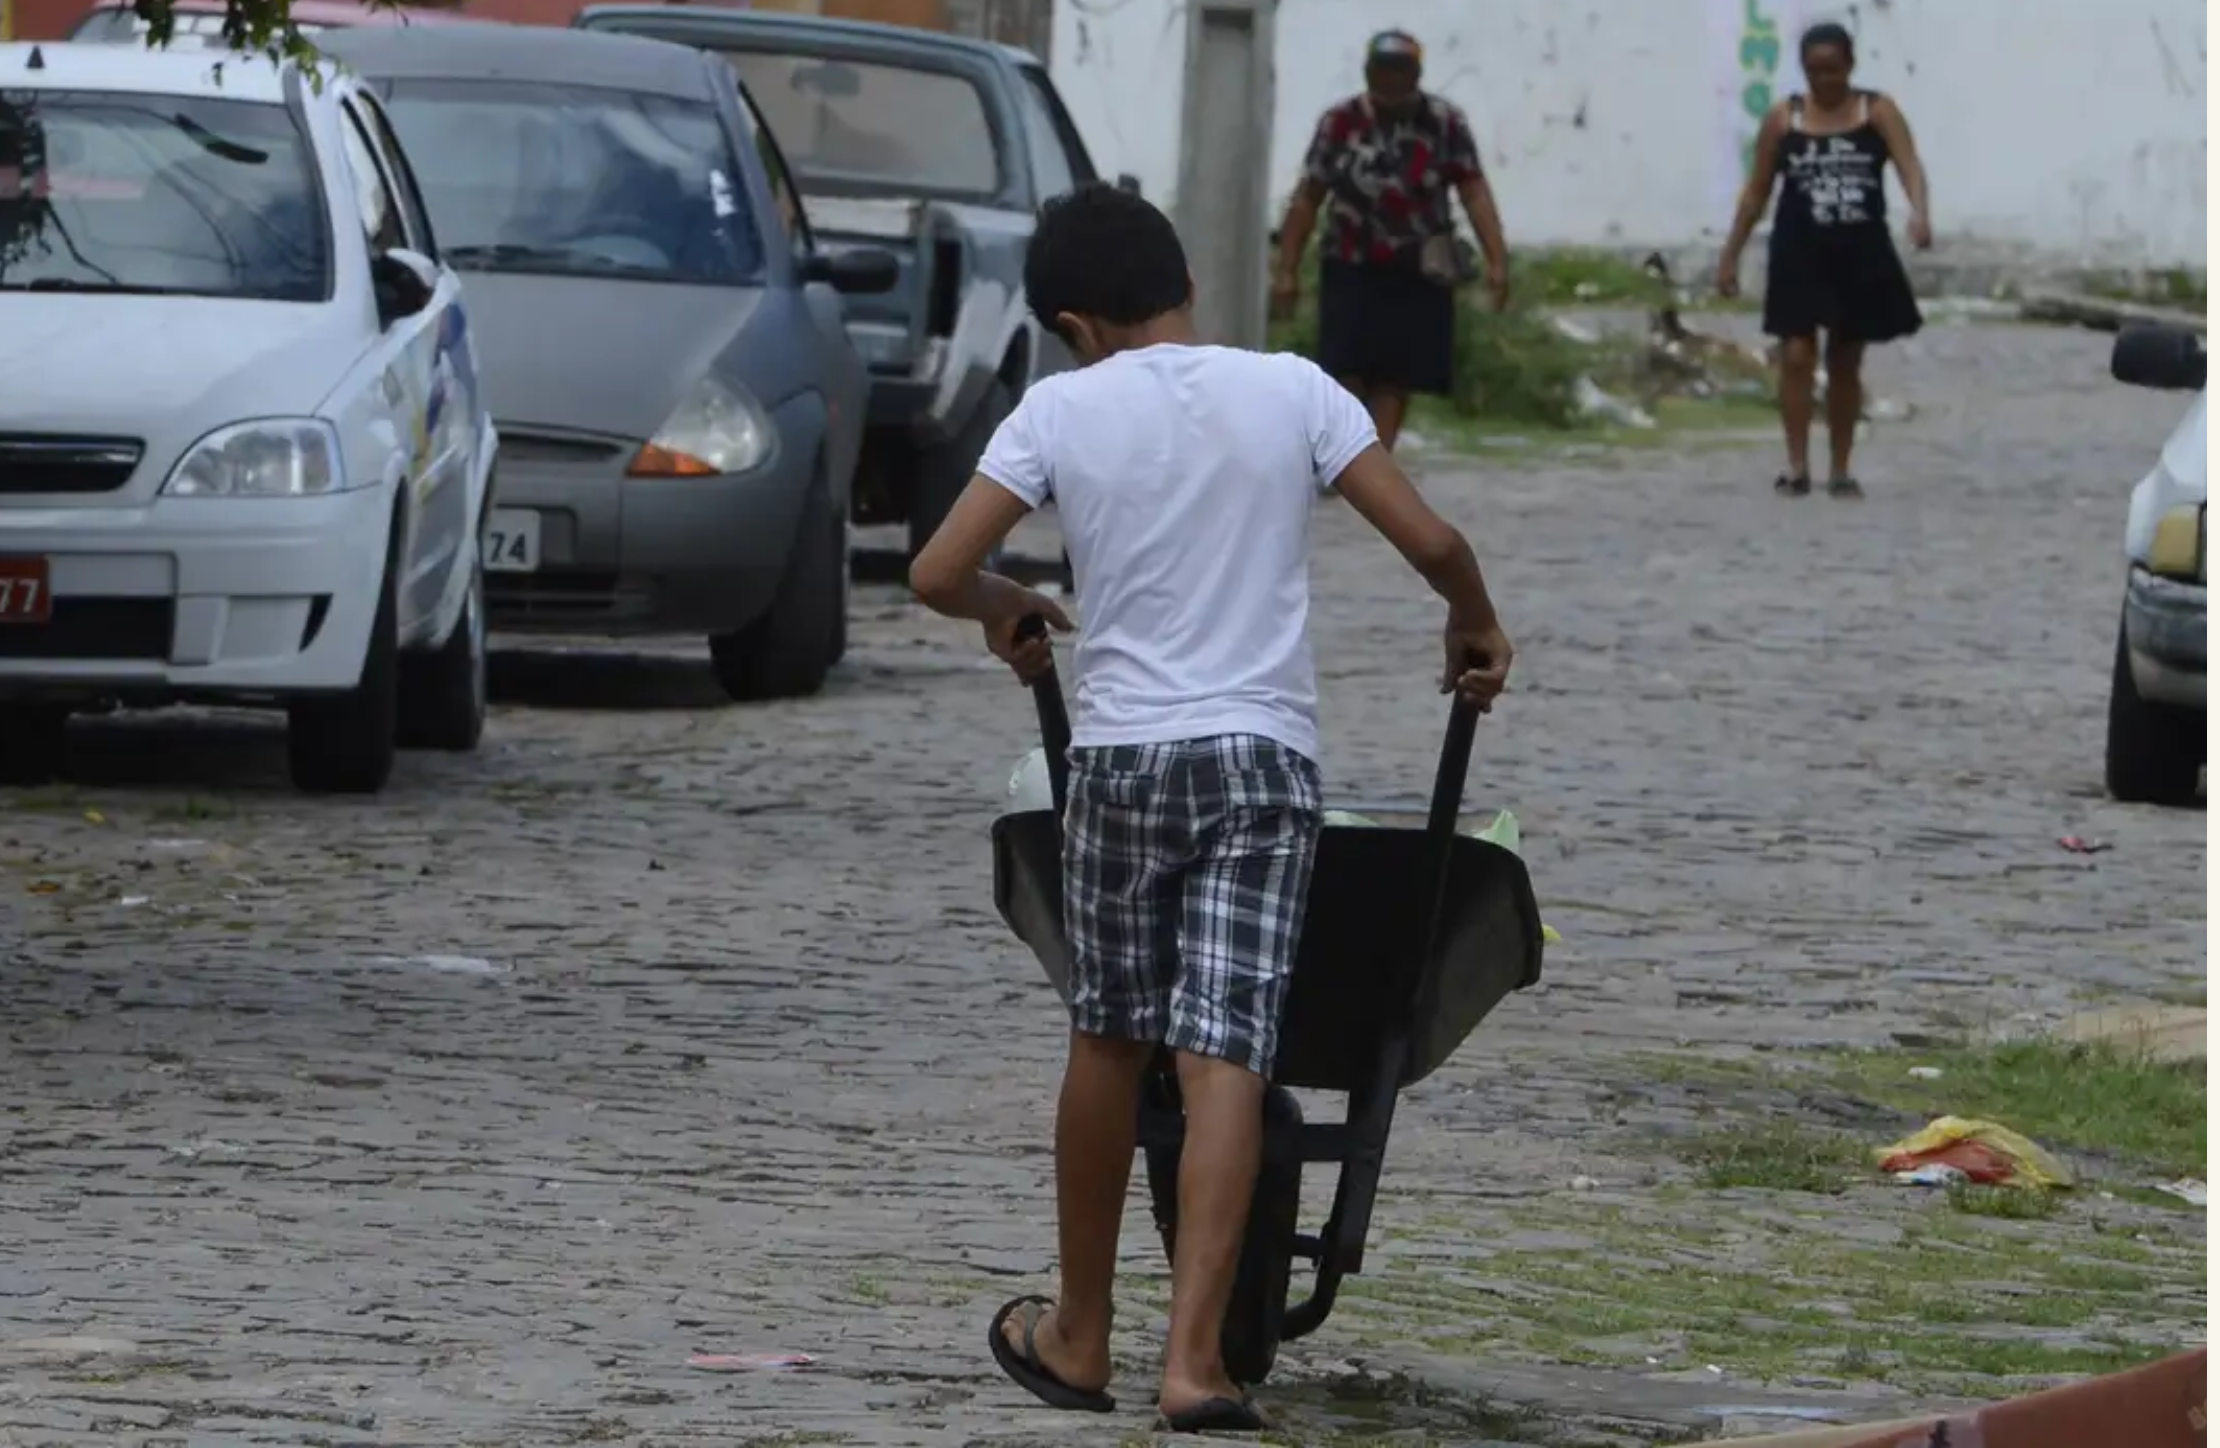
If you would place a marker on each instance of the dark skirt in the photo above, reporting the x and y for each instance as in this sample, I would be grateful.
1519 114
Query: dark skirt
1386 327
1852 287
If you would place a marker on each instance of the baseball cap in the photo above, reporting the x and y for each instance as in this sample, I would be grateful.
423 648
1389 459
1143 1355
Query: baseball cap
1394 47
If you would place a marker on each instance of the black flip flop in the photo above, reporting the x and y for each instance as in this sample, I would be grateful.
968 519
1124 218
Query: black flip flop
1215 1415
1028 1371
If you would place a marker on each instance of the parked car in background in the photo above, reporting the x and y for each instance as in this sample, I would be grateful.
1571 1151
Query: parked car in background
201 22
243 454
942 148
680 407
2155 740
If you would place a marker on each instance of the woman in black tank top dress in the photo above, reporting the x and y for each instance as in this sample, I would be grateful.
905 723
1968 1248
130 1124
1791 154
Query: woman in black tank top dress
1831 265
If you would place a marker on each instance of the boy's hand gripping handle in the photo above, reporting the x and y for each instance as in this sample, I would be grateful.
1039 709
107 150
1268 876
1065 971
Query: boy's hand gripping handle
1048 703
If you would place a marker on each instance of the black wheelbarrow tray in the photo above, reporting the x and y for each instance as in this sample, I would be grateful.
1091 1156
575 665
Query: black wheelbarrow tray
1412 937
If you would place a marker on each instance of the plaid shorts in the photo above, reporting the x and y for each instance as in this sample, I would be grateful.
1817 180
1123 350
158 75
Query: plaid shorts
1186 871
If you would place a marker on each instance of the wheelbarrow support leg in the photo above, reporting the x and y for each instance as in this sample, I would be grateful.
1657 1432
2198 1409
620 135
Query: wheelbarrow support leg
1341 1245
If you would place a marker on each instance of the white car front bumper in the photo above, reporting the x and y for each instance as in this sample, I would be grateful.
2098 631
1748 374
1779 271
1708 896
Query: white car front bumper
2165 624
185 597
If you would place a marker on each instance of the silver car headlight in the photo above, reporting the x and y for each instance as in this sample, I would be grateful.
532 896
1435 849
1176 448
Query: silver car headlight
272 457
718 429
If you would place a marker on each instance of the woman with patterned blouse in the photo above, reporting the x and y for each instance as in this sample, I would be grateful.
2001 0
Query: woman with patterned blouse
1383 166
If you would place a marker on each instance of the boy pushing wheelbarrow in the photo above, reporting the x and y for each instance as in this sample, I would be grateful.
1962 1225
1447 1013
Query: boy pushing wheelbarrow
1184 476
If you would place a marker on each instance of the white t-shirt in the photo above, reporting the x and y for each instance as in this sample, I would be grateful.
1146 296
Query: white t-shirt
1183 479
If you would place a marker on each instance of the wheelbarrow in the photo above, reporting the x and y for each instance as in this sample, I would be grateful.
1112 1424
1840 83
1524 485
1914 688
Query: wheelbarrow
1412 936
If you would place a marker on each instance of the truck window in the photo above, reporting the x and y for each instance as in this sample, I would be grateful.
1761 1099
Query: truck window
1041 92
875 126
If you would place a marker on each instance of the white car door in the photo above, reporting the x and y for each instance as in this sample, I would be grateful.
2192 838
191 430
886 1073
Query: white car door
409 403
460 435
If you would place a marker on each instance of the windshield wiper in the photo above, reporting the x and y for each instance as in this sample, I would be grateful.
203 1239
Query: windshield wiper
501 251
216 145
562 260
71 284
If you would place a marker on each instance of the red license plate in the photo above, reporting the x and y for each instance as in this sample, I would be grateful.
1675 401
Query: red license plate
24 595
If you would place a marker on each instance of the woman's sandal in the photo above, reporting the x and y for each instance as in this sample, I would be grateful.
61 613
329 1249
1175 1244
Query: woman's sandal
1792 486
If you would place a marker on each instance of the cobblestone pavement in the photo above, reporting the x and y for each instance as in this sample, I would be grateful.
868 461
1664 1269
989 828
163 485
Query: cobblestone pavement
464 1116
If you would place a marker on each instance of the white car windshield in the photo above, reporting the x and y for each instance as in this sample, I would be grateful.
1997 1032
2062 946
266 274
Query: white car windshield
558 180
159 194
868 126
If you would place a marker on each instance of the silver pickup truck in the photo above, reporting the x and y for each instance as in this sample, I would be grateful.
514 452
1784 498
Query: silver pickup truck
938 148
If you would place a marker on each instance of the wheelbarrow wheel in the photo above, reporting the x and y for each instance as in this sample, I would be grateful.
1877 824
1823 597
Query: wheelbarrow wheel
1250 1340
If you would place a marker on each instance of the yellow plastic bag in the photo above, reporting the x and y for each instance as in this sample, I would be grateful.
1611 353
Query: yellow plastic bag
1986 1153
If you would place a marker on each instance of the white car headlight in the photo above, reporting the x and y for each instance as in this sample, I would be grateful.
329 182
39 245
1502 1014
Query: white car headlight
718 429
275 457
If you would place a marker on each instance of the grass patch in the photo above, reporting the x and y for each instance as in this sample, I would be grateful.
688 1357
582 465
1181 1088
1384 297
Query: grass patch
1518 374
1578 276
1512 367
2138 1116
2177 287
1781 1156
2009 1203
1945 1302
2141 1115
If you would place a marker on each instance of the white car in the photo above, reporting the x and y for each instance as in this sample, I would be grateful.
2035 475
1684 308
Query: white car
243 454
2154 748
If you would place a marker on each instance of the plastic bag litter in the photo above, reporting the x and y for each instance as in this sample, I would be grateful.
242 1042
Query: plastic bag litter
1986 1153
1029 790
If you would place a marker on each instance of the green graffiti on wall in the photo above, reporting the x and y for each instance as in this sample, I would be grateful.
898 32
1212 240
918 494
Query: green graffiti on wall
1759 54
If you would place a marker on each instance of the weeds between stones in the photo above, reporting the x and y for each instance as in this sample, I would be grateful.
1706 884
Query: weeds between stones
2137 1115
1812 1290
1780 1156
1784 1255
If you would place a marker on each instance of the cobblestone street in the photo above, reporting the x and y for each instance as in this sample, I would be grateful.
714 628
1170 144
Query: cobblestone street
465 1115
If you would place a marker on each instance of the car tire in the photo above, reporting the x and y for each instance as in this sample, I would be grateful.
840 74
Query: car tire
34 742
345 744
944 472
2153 753
443 693
787 653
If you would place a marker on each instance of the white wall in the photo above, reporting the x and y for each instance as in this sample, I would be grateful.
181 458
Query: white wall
2072 129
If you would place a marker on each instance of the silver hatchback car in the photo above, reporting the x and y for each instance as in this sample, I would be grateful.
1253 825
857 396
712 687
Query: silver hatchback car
663 348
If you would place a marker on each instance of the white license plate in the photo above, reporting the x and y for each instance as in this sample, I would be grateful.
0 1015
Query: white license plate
513 541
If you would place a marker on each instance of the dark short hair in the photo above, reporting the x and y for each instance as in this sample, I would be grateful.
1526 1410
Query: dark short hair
1101 252
1395 49
1828 32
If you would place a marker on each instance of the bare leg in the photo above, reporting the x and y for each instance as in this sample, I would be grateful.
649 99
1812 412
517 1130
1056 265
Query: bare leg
1845 401
1387 406
1217 1174
1095 1121
1799 368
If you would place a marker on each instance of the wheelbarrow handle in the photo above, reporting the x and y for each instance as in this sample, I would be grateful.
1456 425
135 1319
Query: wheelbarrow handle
1441 855
1048 703
1449 775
